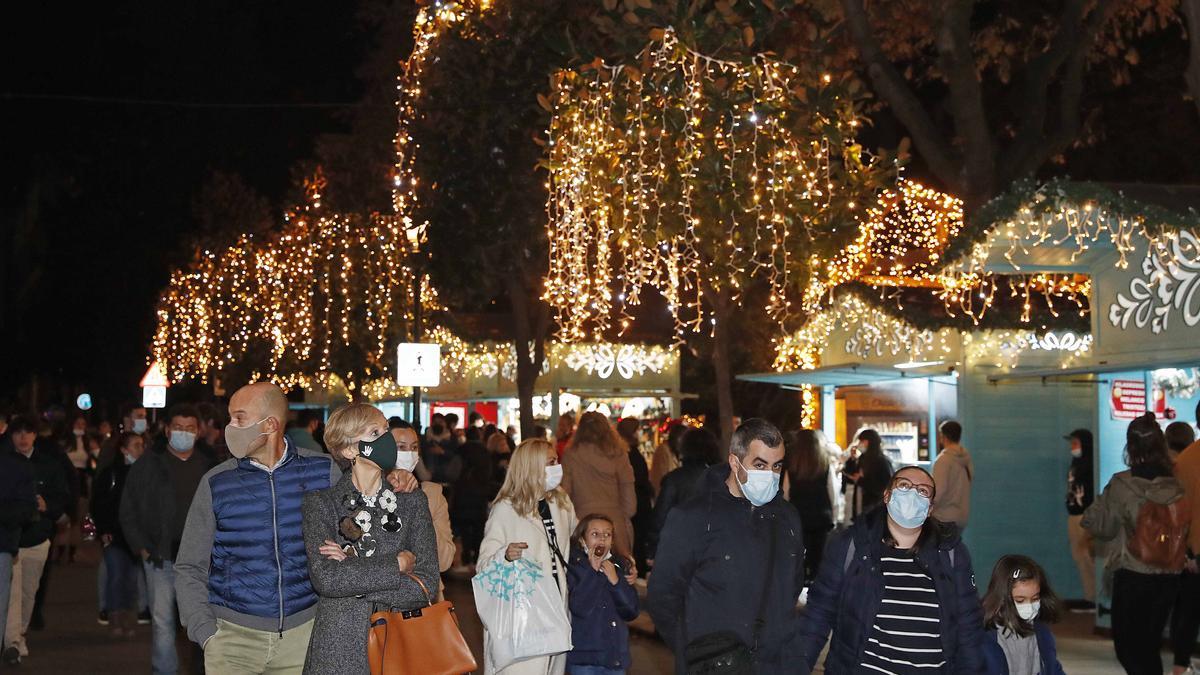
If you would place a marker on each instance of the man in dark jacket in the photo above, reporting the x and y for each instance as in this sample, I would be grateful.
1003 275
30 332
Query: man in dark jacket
51 485
154 506
18 506
897 587
120 579
731 560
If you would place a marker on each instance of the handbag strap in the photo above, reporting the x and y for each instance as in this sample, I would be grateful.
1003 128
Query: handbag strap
428 598
760 620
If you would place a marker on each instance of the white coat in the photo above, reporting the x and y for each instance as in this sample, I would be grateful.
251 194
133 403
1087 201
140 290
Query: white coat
504 527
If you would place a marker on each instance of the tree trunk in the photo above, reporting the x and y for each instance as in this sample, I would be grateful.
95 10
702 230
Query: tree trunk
530 325
1191 10
720 306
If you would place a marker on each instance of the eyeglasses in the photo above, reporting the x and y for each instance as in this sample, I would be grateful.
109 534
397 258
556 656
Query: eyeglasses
905 484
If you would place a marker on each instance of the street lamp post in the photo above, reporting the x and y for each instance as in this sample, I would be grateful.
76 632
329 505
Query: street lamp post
415 233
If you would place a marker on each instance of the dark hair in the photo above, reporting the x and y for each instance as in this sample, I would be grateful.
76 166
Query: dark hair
951 430
699 445
999 611
1145 444
397 422
586 522
211 413
451 420
128 408
20 423
914 467
1084 436
753 429
627 427
674 436
474 434
124 438
1179 435
806 459
873 439
183 410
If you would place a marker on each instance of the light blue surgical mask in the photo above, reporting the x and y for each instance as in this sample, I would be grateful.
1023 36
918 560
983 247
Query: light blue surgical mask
139 426
761 485
182 441
908 508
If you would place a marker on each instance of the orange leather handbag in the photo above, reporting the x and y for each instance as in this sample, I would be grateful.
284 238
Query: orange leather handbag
423 641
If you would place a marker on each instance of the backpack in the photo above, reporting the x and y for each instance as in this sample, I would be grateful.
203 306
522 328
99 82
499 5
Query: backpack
1159 536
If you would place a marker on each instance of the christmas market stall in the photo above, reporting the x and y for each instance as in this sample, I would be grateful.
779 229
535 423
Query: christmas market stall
1058 306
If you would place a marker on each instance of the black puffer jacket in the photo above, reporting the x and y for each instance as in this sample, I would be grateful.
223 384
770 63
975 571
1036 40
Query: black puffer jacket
710 570
18 501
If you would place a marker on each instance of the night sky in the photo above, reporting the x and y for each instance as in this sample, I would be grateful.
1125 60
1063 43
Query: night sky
97 195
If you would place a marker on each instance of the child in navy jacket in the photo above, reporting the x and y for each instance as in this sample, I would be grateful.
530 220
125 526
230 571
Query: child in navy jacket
1016 610
601 602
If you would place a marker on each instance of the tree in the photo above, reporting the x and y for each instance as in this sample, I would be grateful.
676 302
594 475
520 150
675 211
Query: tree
704 178
468 165
325 295
990 93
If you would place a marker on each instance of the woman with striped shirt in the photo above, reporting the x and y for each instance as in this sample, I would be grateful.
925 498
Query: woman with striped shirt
897 591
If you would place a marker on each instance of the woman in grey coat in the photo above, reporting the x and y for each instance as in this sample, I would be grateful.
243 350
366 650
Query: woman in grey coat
365 543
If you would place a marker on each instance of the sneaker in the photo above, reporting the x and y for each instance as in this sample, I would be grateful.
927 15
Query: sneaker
102 619
144 618
11 656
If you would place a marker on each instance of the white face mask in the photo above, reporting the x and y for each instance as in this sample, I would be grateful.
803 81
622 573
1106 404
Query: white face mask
554 474
761 485
182 441
407 461
1028 611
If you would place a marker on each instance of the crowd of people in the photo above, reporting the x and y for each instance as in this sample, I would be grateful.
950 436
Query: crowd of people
274 538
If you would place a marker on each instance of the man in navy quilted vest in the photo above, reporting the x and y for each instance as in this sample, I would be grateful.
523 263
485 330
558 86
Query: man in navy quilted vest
242 572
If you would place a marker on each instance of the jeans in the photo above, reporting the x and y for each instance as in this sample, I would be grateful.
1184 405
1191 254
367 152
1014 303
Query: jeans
1141 604
120 582
160 585
6 570
1185 620
102 584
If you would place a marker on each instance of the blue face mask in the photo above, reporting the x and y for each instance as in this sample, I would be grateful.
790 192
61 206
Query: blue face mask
760 487
908 508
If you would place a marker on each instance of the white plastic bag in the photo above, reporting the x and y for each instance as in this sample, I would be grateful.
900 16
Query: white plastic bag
521 607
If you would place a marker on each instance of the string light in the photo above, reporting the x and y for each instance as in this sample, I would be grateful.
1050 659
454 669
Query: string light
328 294
635 153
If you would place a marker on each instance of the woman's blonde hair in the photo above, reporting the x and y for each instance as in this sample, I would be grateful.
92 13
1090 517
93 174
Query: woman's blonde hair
525 482
595 430
346 425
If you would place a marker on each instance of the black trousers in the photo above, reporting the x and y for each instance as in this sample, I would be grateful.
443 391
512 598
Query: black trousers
1141 605
1185 620
814 551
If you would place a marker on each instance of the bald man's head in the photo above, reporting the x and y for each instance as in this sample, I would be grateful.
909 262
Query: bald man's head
255 402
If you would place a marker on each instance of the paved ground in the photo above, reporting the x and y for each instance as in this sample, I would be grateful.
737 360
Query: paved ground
73 642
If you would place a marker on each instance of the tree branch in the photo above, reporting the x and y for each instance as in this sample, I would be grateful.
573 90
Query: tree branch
1034 144
892 87
1191 13
966 101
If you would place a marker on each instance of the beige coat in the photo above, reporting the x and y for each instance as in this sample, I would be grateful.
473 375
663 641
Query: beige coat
601 483
440 512
504 526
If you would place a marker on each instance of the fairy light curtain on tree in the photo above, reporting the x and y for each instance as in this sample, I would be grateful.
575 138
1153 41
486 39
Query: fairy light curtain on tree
327 295
691 174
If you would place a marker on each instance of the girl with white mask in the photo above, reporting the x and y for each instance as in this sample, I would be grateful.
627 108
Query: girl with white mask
532 518
1017 609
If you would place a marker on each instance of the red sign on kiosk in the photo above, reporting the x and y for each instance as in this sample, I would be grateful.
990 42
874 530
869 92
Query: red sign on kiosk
1128 399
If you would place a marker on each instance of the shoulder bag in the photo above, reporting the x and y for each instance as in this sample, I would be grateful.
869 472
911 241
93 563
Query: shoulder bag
425 640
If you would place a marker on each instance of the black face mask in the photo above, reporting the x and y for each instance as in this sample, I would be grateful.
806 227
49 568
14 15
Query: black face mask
382 451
